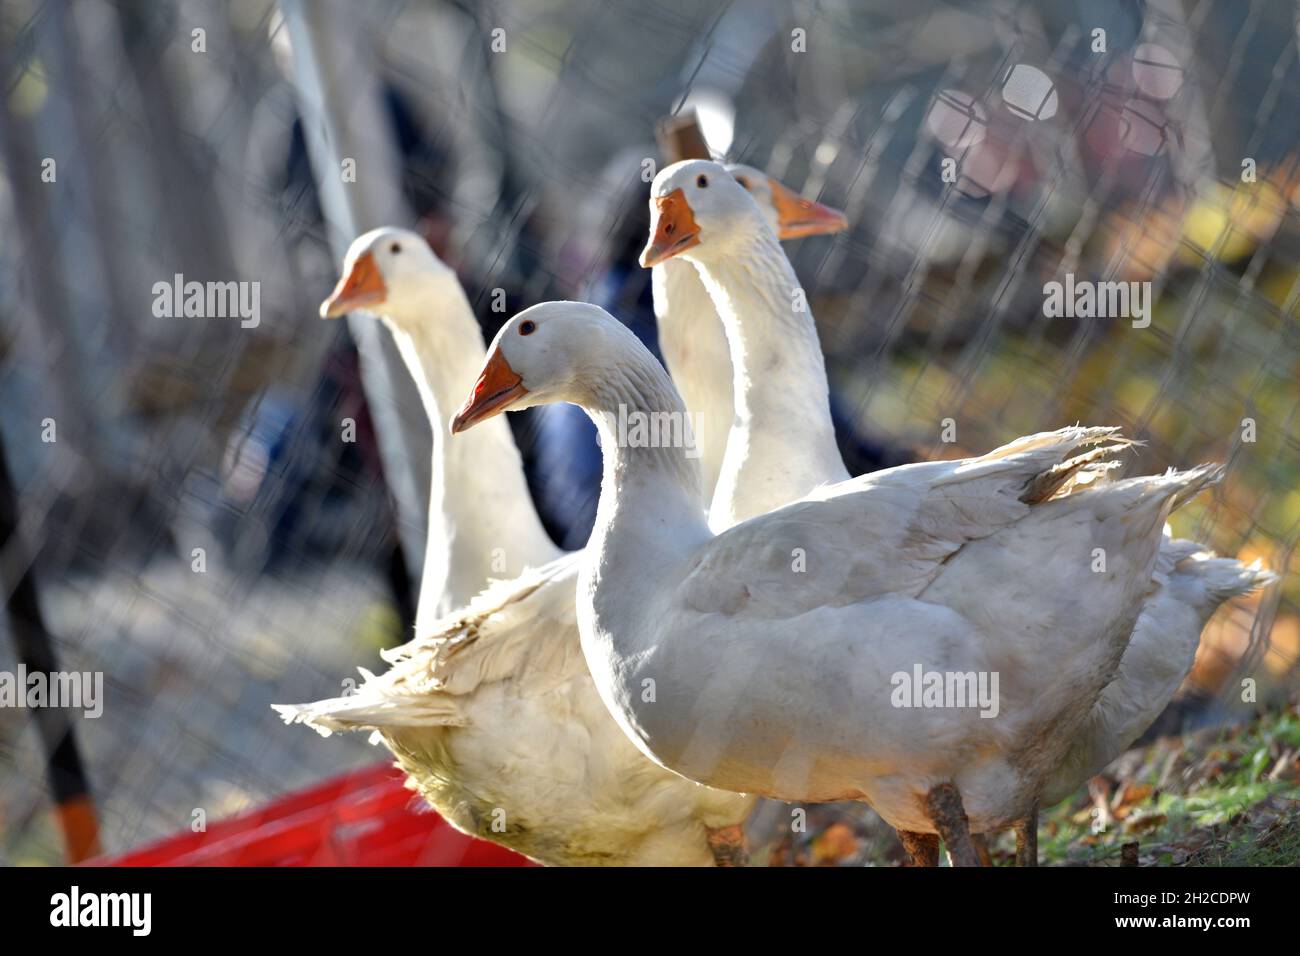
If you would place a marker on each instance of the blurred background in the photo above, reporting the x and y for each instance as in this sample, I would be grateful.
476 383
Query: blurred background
193 523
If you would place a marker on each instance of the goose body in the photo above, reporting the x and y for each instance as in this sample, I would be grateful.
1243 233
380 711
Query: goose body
776 354
491 710
724 662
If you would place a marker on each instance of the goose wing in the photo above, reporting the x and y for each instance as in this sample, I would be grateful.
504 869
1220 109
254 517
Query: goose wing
886 533
523 629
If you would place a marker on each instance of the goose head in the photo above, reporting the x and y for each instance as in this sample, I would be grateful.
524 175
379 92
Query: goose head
390 272
547 353
698 208
788 214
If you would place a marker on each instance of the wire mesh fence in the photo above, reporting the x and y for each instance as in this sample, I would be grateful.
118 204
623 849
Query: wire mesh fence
224 511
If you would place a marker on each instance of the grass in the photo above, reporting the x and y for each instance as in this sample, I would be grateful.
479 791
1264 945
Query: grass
1224 796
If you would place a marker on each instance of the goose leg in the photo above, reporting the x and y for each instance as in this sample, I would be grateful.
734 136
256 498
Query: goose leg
981 849
727 844
922 848
1027 840
944 808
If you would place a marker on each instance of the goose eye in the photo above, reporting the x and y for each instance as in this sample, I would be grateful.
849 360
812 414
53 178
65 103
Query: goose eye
702 181
395 248
527 327
743 181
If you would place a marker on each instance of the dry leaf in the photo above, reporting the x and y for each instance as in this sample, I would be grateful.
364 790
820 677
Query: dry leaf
835 845
1143 822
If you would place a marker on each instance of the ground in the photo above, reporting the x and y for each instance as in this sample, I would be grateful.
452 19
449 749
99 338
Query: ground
1221 796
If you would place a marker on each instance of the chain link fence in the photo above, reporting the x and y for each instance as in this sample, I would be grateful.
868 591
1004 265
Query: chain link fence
199 525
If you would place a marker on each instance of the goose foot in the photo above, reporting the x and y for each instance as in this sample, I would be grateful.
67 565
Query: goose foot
944 808
922 848
727 844
982 849
1027 840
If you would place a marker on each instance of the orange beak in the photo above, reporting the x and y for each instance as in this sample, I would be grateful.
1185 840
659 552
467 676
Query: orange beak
798 217
362 287
672 229
496 388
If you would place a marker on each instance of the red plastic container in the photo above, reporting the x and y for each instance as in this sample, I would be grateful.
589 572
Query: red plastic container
363 818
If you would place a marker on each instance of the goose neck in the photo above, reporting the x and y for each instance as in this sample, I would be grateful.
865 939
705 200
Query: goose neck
472 536
651 477
695 351
783 440
770 327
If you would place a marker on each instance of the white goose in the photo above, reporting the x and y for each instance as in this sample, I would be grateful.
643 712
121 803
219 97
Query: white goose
774 657
491 711
752 282
691 336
